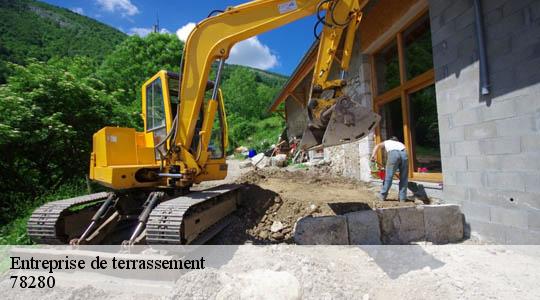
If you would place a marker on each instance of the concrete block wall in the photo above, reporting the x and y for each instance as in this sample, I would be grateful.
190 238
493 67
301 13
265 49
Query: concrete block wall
490 145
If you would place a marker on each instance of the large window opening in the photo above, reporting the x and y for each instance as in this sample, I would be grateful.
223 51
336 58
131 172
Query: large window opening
425 131
387 65
391 120
403 82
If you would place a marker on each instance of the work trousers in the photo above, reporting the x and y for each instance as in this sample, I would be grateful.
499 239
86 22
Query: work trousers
396 160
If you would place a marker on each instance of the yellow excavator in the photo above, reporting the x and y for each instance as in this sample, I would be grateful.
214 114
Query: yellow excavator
150 173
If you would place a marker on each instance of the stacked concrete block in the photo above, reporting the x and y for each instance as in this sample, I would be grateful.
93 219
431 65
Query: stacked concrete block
443 223
401 225
490 144
363 228
330 230
439 224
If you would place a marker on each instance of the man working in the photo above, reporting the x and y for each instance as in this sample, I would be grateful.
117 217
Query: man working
396 158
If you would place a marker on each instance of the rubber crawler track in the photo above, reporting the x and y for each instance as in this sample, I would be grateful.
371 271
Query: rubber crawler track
43 223
164 225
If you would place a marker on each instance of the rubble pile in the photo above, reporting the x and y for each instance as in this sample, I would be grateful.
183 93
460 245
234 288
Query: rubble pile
274 199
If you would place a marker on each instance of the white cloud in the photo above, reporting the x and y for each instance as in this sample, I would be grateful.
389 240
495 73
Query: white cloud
251 52
78 10
142 32
184 31
125 7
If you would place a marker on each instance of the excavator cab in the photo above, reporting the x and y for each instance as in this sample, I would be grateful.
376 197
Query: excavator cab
123 158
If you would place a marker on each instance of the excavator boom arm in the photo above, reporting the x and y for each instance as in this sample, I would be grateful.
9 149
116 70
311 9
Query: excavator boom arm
213 38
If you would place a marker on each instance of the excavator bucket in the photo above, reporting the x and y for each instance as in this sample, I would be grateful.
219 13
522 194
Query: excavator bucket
349 121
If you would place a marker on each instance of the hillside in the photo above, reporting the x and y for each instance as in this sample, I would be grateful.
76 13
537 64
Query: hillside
31 29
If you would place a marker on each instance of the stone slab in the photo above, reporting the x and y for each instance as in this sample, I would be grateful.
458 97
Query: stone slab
443 223
401 225
363 228
328 230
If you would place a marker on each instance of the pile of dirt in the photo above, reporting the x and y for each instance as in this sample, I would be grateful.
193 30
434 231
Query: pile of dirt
274 199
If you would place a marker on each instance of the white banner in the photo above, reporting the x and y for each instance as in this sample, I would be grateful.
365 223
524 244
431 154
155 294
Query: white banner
271 272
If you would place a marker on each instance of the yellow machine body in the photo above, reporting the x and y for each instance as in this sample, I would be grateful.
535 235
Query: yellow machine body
122 157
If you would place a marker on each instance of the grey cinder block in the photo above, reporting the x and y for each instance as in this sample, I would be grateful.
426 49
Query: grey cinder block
443 223
401 225
363 228
329 230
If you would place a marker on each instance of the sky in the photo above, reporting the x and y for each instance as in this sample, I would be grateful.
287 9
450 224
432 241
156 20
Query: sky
278 51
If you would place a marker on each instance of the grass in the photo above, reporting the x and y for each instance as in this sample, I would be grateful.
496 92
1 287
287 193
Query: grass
79 207
14 233
266 132
239 156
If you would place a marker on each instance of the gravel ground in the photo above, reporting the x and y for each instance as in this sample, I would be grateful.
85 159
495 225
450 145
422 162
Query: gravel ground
325 272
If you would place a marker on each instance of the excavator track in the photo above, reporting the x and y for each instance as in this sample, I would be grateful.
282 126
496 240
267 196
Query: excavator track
43 225
193 218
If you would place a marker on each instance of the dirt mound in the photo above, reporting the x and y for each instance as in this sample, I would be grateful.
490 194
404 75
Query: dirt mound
274 199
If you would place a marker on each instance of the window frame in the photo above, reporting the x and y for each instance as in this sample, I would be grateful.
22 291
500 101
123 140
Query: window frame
151 117
402 92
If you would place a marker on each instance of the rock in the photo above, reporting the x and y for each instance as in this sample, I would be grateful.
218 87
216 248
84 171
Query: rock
322 162
363 228
259 284
401 225
260 161
443 223
276 226
279 160
241 149
278 235
257 158
245 164
277 199
328 230
263 235
313 209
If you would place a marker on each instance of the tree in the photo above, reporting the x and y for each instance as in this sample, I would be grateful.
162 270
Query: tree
48 114
240 92
137 59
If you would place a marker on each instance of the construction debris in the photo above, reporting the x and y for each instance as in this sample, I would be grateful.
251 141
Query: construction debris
275 195
276 226
279 160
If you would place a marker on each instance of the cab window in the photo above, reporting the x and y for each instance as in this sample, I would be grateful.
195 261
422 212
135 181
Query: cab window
215 146
155 110
173 94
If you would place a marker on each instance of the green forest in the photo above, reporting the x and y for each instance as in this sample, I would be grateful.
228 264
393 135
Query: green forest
63 76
